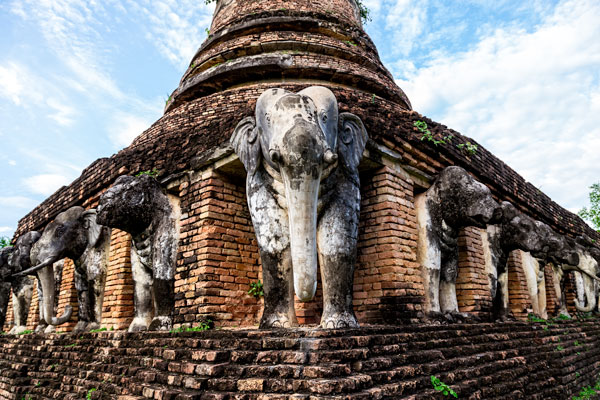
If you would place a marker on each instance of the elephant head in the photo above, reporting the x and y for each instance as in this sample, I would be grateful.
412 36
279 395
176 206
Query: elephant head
5 270
519 231
460 200
20 259
555 248
300 139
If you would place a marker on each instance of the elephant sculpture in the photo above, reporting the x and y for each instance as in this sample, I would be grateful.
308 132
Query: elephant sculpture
455 200
514 231
560 252
586 275
137 205
5 283
20 260
301 156
74 234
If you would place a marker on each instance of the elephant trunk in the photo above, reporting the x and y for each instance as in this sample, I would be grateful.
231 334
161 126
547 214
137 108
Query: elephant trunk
46 278
302 198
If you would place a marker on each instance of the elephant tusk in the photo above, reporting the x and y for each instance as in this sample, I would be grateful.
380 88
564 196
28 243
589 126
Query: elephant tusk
330 157
570 268
36 268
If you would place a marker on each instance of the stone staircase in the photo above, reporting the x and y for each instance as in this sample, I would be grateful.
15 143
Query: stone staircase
479 361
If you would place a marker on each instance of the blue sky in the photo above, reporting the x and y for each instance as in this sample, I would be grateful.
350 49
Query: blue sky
80 79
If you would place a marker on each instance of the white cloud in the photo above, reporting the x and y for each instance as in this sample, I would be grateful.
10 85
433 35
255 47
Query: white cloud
530 98
12 163
46 184
20 202
177 29
405 20
127 127
11 85
6 229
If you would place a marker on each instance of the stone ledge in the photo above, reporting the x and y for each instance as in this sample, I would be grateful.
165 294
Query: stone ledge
509 360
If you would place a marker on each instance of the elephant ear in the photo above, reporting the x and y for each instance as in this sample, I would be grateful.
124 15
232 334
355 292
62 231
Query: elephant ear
245 145
91 226
353 139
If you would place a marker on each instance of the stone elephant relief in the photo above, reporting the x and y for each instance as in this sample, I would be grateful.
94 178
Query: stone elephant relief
586 275
301 156
514 231
137 205
561 253
74 234
5 284
455 200
20 260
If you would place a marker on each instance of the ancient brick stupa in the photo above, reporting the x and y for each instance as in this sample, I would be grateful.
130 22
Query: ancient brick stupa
293 44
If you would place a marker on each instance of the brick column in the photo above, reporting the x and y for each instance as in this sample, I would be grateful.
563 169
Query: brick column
67 296
388 286
518 294
472 285
218 256
117 307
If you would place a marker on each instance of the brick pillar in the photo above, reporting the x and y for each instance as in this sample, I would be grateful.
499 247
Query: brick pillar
218 257
570 292
117 307
472 285
551 299
68 295
388 286
518 294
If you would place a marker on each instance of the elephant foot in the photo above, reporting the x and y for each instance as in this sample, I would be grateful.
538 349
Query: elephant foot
339 320
138 324
276 321
82 326
92 326
161 323
459 318
41 328
17 330
50 329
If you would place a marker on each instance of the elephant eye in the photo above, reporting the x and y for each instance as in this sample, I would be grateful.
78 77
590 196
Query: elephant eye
268 118
323 117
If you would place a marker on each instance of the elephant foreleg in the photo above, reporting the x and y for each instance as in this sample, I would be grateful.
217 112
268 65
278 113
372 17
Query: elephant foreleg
96 279
336 240
42 325
271 225
22 292
449 271
164 303
4 296
142 294
83 301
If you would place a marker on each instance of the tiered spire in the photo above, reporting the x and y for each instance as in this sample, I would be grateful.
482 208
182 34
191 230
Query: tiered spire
291 41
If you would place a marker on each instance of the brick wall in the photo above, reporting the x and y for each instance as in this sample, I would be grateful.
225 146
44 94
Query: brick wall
518 294
472 285
218 257
117 308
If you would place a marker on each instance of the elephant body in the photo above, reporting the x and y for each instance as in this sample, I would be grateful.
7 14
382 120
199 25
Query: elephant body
301 156
515 231
73 234
455 200
138 206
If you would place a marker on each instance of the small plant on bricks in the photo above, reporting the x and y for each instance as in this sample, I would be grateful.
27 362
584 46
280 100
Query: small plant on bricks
440 386
256 289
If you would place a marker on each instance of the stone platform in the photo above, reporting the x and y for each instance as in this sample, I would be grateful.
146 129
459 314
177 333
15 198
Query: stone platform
513 360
